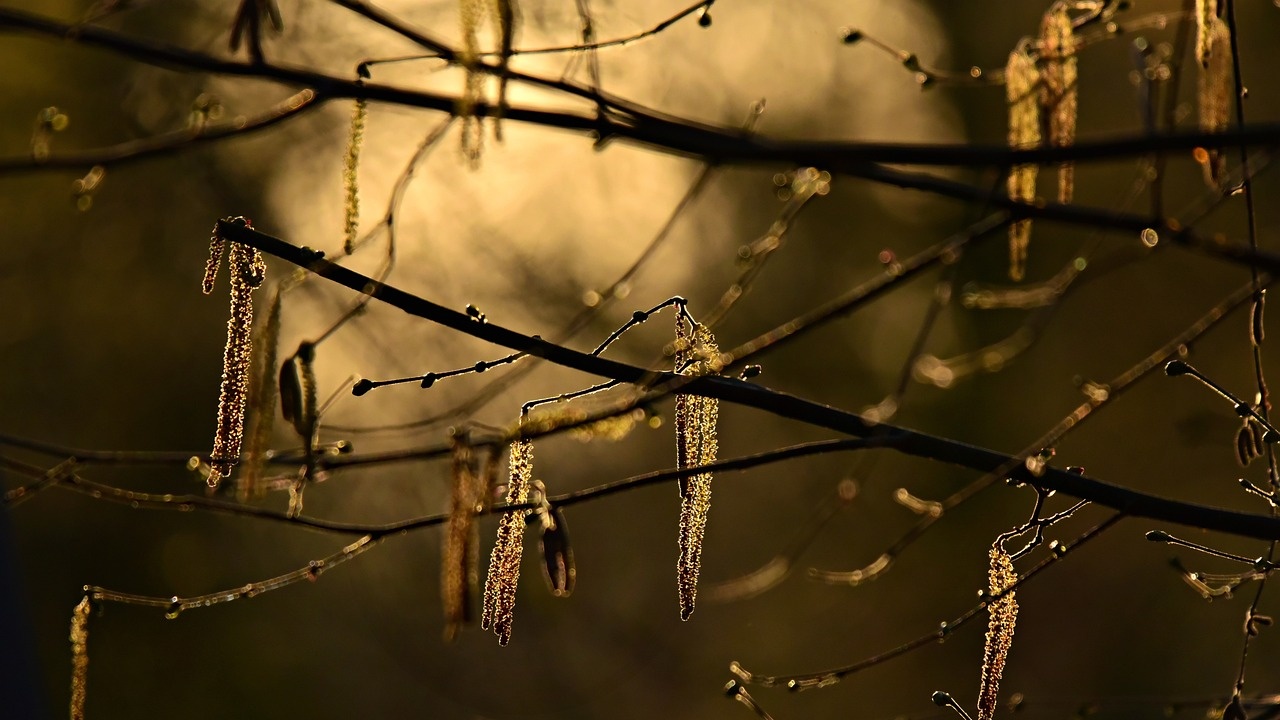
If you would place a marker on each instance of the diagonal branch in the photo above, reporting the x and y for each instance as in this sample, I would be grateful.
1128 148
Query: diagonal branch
910 442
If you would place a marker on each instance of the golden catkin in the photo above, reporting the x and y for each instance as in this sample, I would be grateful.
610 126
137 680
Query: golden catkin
1214 98
1058 92
471 12
1021 79
457 570
1004 615
351 177
262 403
504 562
505 13
247 271
79 657
696 354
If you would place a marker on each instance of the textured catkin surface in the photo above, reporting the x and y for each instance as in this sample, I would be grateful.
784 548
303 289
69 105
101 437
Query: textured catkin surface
504 562
79 658
696 445
1004 614
247 270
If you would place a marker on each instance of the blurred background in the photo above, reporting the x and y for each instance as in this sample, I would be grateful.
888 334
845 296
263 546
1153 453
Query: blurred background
107 343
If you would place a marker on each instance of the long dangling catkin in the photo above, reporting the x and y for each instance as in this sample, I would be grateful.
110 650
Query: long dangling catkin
505 14
351 177
696 445
458 554
1021 78
1214 99
79 657
504 562
1058 92
262 403
472 12
1004 614
247 271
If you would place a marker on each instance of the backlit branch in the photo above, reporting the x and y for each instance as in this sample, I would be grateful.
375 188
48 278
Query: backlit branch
781 404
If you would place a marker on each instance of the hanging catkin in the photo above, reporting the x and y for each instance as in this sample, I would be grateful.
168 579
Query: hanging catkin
247 270
1004 614
1058 92
351 176
79 657
1021 78
471 13
457 567
505 15
504 562
1214 97
262 404
696 354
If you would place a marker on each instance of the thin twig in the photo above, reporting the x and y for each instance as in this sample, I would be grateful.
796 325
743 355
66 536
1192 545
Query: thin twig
824 678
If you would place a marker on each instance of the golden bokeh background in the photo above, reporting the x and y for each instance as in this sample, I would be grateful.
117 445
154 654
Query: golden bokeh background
107 343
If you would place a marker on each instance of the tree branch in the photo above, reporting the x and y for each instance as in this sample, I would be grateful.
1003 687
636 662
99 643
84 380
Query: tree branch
643 125
742 393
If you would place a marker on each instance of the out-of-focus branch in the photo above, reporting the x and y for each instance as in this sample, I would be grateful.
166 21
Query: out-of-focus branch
169 142
622 120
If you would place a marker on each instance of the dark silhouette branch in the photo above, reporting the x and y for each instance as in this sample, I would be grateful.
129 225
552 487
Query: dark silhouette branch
781 404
